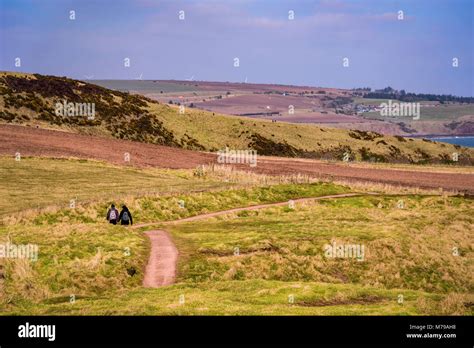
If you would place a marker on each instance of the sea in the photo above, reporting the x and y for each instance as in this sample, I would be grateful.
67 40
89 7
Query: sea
463 141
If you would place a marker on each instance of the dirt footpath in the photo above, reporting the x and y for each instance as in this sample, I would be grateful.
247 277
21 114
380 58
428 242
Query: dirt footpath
161 267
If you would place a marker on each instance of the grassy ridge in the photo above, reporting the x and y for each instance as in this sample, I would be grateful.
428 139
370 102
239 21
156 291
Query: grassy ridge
30 99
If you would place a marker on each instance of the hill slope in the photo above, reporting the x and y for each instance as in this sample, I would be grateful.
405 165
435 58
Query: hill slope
31 99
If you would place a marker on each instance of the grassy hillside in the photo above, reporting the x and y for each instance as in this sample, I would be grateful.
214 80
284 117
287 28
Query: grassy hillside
30 99
280 267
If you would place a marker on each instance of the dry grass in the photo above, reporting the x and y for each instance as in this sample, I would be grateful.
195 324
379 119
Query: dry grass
245 178
409 248
78 259
41 185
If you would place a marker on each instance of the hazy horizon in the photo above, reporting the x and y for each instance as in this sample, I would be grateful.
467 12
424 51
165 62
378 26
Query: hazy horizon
162 43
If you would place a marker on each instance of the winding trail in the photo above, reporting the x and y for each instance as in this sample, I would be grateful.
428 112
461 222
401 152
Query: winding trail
161 267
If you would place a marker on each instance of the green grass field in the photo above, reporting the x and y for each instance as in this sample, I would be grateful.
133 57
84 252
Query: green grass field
447 112
370 101
269 261
146 86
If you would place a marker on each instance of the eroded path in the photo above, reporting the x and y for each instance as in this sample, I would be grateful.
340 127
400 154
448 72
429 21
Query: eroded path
161 267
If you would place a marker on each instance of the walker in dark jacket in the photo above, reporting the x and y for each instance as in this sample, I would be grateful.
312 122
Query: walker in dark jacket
125 216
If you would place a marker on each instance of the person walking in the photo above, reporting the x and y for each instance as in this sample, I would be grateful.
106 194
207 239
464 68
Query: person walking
112 215
125 216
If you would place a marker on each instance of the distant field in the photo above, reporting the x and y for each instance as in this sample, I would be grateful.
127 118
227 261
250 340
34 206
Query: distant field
369 101
376 101
449 111
307 105
258 103
434 113
146 86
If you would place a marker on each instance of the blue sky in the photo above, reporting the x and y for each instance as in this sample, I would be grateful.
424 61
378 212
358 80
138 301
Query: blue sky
414 54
